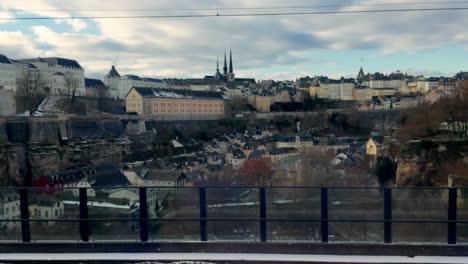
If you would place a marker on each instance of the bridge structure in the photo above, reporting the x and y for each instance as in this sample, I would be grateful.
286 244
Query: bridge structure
295 224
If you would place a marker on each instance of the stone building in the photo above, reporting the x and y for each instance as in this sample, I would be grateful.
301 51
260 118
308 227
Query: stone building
168 104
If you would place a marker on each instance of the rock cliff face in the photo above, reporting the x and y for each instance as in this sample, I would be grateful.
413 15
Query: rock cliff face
414 172
46 159
47 145
428 163
9 166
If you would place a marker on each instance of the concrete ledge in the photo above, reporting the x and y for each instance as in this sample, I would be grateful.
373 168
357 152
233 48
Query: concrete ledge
91 258
364 249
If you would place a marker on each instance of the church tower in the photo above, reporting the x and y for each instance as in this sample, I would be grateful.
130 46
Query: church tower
112 80
218 75
360 76
225 68
230 76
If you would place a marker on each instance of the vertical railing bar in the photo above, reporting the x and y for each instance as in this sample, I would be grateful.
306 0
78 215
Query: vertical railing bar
24 213
143 215
388 215
452 216
324 213
84 225
263 215
203 214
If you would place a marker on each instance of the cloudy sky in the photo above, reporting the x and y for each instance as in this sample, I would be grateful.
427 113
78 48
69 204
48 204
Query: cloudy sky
275 47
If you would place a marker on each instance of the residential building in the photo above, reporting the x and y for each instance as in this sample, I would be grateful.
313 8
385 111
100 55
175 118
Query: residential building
214 158
164 178
395 80
46 207
96 88
298 141
235 158
374 146
430 83
364 93
407 101
52 183
9 208
447 85
119 86
277 154
168 104
461 81
263 103
335 89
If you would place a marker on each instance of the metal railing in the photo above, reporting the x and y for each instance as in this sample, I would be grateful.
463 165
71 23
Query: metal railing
324 220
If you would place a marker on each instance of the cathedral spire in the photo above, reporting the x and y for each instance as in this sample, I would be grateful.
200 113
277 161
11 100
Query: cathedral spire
231 69
225 68
217 63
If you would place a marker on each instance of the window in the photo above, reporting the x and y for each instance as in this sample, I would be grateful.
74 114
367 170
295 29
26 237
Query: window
56 213
46 214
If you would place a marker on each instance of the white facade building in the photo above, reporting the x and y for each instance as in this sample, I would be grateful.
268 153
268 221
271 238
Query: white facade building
337 89
379 84
55 73
11 72
119 85
8 74
52 73
47 208
9 209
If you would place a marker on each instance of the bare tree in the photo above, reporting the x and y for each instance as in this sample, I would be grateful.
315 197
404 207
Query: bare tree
317 169
257 172
239 104
71 84
102 94
29 88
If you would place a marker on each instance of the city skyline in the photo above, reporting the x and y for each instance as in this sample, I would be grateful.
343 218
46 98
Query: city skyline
282 47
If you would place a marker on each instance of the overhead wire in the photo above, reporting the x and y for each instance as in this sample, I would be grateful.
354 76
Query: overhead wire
233 8
237 14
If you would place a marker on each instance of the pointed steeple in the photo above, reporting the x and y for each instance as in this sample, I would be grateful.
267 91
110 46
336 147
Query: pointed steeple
217 73
113 73
225 68
361 72
231 69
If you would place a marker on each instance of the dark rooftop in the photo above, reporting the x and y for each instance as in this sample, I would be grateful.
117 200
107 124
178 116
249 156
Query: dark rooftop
113 73
4 59
55 61
173 93
93 83
164 175
107 176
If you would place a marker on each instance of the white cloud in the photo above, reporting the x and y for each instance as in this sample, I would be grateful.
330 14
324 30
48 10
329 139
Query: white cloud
188 47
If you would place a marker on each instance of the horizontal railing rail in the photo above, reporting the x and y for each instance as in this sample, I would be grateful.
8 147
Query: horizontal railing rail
262 205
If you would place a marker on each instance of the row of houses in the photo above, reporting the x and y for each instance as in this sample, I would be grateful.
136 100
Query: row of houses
390 102
367 86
